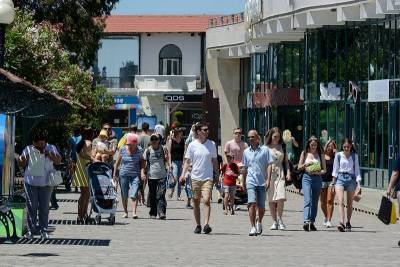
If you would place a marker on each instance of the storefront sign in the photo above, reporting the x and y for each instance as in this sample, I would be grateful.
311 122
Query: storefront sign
277 97
378 91
126 103
183 98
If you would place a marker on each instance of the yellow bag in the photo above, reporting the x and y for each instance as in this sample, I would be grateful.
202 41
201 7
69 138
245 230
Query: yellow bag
122 142
393 215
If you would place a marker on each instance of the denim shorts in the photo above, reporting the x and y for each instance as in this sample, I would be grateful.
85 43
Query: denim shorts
346 181
129 186
256 194
230 189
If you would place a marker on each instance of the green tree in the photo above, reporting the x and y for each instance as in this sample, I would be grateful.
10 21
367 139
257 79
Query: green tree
80 23
34 52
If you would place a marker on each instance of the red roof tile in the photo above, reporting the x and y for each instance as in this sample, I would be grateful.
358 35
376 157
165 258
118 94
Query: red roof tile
139 24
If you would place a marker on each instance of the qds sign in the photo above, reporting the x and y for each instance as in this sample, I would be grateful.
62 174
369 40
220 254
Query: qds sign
174 98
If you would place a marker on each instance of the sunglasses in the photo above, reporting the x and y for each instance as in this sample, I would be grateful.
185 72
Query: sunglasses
237 133
106 128
205 130
251 137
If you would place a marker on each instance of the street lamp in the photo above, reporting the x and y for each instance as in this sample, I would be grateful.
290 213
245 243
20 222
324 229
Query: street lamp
7 14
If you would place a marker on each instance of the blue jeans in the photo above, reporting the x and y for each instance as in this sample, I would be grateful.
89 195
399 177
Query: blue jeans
346 181
176 172
38 199
129 186
311 190
188 187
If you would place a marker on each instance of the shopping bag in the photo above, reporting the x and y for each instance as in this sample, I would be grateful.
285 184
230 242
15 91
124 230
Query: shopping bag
385 210
393 215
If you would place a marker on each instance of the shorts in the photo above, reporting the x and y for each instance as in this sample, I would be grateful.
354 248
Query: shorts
346 181
256 194
230 189
202 188
129 186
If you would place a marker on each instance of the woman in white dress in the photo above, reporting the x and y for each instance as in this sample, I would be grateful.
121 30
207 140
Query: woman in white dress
276 171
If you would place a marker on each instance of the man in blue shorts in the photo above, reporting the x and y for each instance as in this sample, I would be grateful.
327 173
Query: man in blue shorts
255 162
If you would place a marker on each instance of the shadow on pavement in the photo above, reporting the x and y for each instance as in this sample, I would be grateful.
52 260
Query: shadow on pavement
40 255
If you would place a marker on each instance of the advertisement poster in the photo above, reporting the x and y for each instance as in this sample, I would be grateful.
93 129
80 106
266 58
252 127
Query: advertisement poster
2 150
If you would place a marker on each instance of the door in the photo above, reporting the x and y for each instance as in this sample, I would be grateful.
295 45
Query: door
394 128
171 66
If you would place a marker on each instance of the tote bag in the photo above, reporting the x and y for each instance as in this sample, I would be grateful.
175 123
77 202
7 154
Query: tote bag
36 164
385 210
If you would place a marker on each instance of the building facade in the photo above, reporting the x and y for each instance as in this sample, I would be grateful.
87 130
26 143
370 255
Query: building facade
157 64
315 67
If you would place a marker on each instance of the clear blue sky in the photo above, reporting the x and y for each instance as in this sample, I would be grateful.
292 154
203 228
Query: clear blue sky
178 7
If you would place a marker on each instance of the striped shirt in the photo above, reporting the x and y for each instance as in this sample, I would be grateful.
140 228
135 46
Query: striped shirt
130 164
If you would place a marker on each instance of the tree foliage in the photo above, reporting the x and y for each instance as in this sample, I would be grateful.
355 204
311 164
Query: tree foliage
80 23
34 52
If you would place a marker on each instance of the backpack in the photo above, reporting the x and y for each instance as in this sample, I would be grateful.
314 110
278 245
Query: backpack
148 156
291 169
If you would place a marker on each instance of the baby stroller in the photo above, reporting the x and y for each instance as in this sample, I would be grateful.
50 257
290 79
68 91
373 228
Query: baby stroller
103 194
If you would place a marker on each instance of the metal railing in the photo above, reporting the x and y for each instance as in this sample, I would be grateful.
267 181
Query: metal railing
117 82
225 20
184 83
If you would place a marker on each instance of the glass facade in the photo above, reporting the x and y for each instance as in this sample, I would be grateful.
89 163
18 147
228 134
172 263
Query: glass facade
330 63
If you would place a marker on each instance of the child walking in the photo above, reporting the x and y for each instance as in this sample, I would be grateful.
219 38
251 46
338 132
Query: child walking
229 173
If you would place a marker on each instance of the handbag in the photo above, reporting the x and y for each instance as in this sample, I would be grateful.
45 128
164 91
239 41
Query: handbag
55 178
385 210
393 215
357 195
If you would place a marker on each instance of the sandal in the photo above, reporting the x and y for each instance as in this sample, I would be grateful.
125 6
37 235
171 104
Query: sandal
125 215
134 216
341 227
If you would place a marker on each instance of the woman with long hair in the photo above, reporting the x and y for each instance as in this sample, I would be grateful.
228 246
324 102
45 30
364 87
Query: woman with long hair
81 177
312 161
328 188
276 172
346 177
289 141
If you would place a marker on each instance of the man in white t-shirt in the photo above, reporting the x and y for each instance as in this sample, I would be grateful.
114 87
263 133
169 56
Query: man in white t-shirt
201 154
160 129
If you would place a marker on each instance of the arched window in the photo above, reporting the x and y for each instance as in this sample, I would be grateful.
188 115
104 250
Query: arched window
170 60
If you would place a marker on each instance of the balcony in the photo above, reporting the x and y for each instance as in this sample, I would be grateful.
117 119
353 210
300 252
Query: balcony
119 85
160 84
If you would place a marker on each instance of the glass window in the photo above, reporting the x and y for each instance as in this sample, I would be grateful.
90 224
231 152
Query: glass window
118 61
170 62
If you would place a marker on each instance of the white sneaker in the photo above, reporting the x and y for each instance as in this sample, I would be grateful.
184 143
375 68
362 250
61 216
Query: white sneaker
259 228
281 225
253 231
274 226
328 224
324 221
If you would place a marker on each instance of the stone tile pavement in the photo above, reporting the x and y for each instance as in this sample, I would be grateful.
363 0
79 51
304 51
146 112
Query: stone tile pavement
146 242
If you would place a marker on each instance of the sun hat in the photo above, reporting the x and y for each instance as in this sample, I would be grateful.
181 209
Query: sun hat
131 139
103 133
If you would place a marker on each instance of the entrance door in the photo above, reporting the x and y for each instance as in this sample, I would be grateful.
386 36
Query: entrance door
171 66
394 128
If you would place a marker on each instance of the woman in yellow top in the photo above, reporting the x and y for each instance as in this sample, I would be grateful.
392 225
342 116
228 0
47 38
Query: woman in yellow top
81 178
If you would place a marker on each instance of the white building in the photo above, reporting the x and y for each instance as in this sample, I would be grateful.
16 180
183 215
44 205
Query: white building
166 56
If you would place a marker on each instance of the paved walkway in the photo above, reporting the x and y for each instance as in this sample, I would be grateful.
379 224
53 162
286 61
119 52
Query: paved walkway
146 242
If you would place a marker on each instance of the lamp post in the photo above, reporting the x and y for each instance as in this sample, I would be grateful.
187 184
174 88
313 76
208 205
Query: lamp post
7 14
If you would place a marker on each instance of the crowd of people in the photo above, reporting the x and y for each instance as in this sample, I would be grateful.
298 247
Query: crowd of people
168 165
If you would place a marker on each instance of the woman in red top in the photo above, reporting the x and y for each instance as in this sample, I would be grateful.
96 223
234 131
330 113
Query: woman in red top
229 172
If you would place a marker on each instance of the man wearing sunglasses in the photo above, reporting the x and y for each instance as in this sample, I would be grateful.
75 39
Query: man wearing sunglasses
256 159
201 154
236 146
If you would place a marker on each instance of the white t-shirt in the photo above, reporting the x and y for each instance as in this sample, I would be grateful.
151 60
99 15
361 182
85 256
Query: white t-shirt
201 156
159 129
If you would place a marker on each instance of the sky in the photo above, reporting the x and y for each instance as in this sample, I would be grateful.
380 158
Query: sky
178 7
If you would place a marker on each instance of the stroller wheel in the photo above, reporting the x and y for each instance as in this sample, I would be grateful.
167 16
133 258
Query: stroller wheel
111 220
98 219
